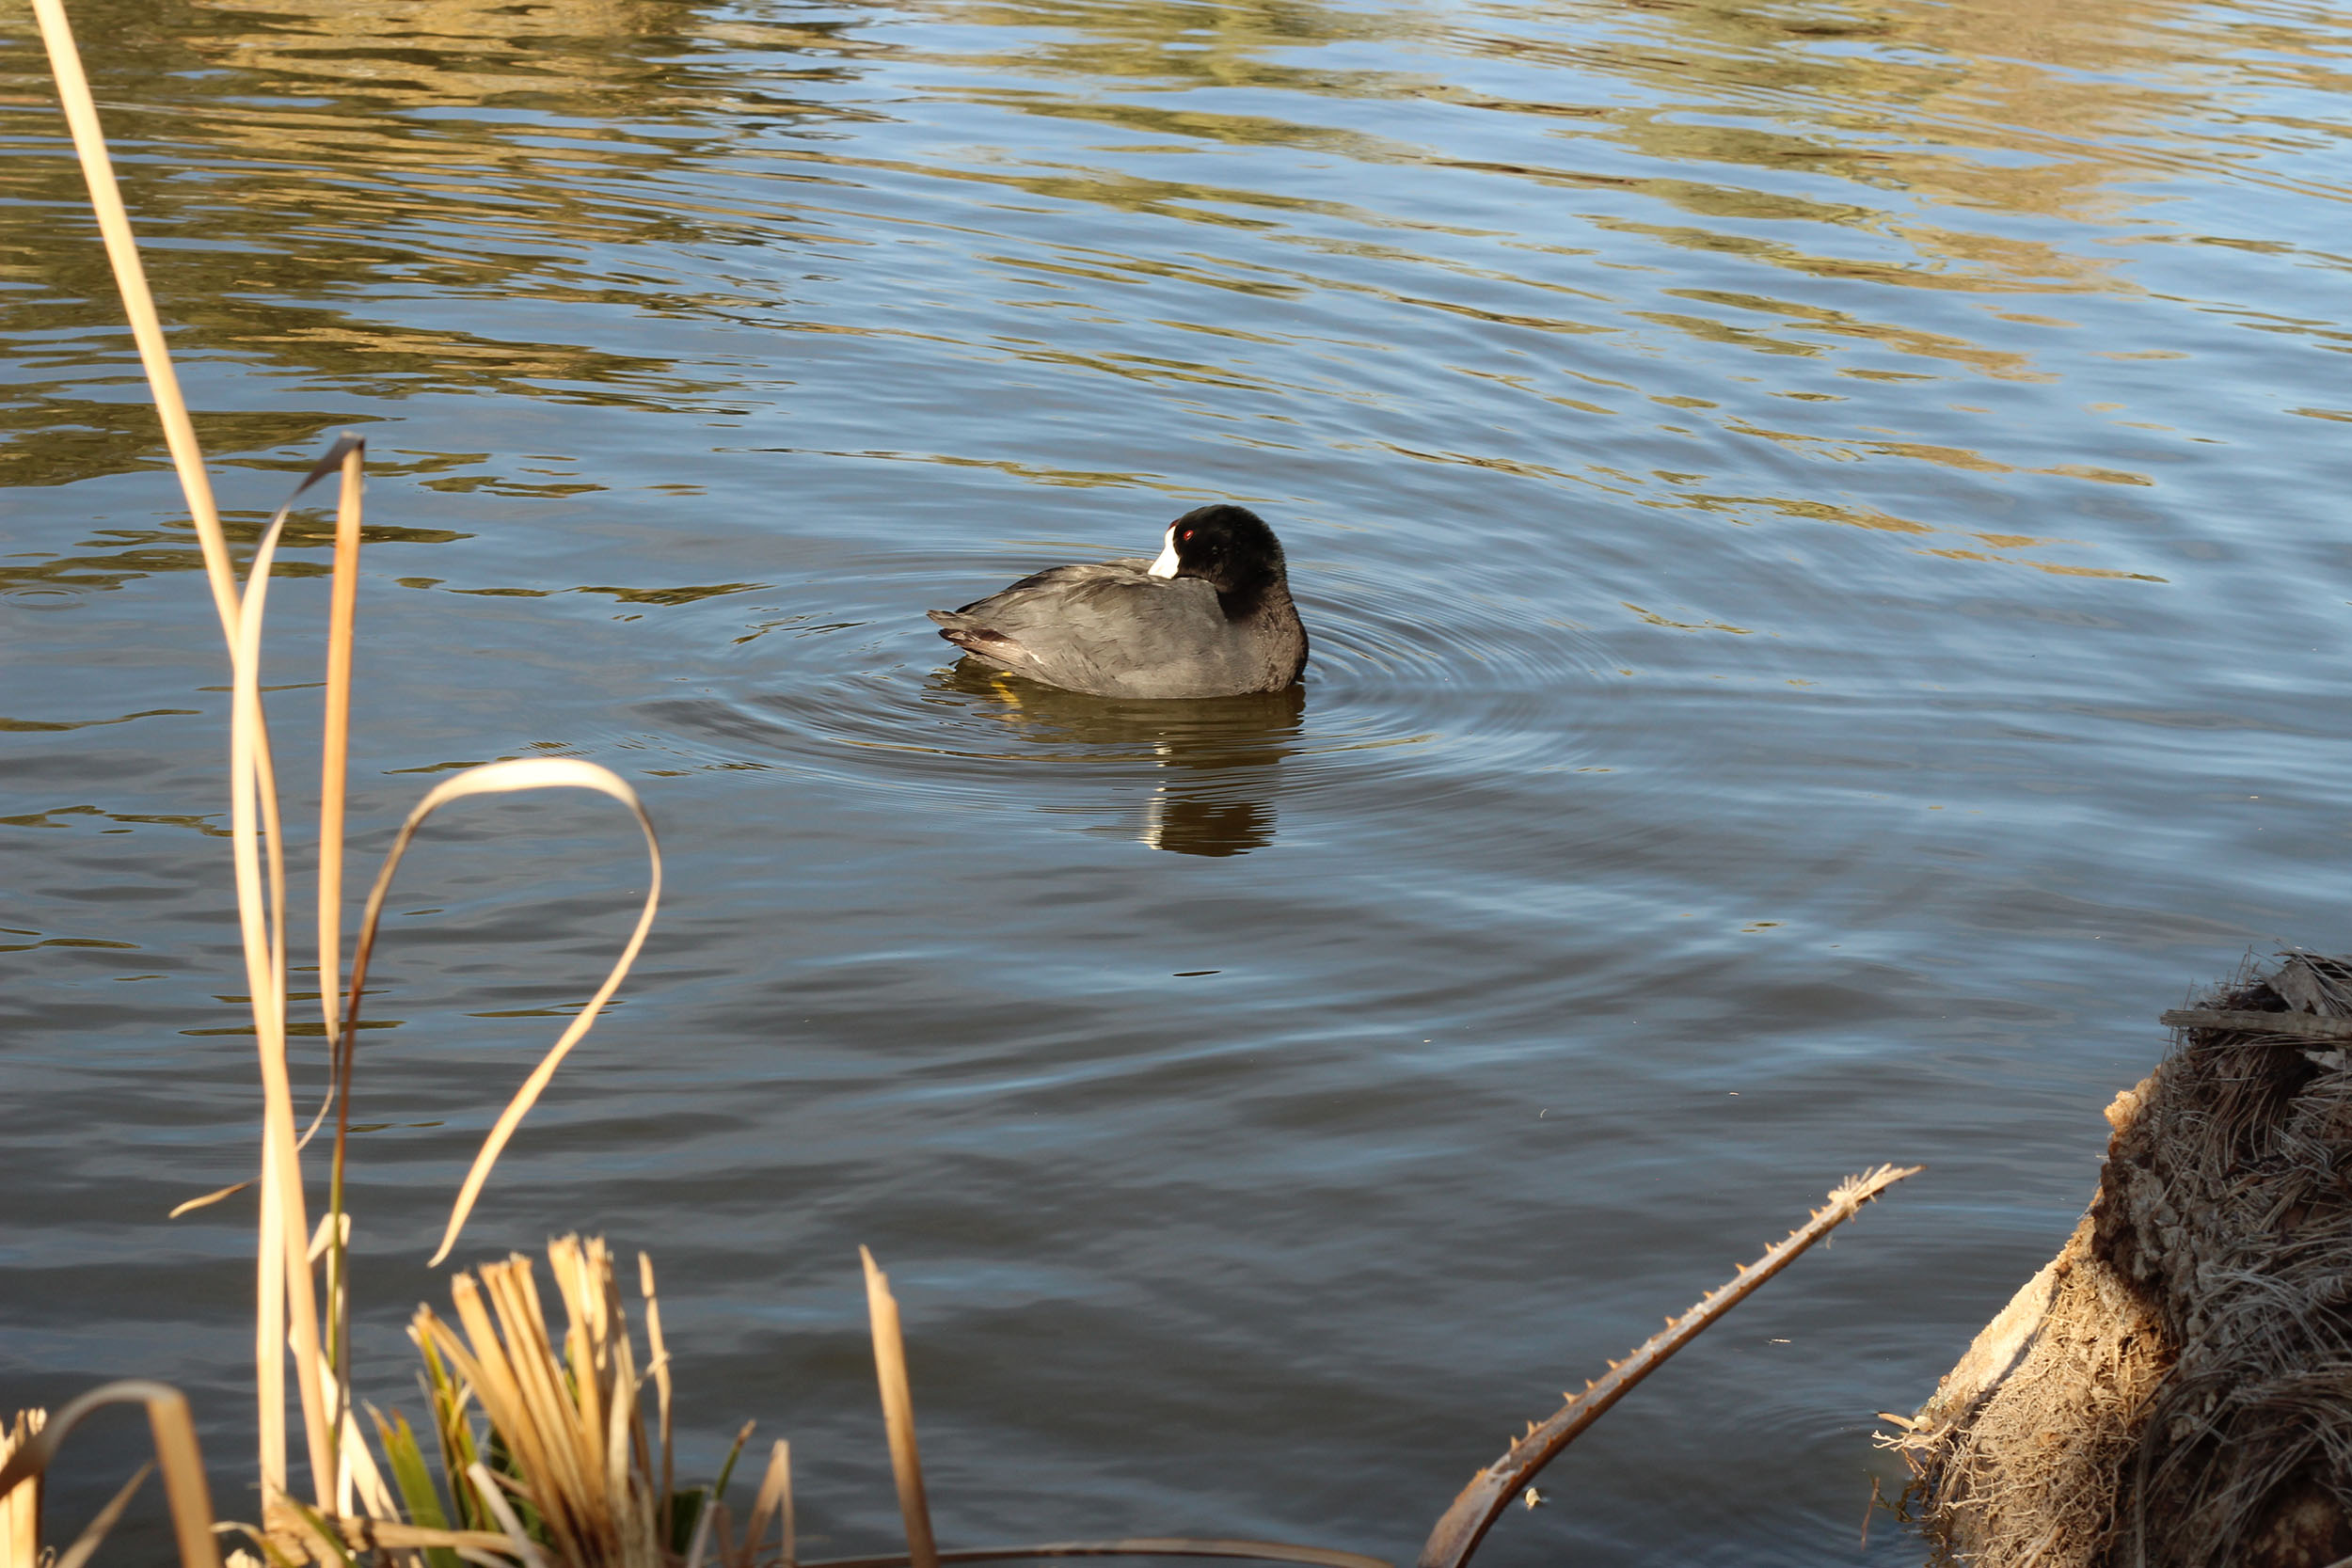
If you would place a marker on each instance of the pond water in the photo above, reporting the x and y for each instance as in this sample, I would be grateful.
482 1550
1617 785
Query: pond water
1822 527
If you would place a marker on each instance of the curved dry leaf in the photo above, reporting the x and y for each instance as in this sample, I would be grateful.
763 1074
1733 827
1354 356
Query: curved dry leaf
176 1450
499 778
210 1198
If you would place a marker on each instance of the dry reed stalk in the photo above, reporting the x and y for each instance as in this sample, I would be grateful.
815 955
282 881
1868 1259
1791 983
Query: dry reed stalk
774 1501
518 1540
1474 1511
335 745
19 1506
355 1474
334 771
898 1402
280 1229
146 330
661 1370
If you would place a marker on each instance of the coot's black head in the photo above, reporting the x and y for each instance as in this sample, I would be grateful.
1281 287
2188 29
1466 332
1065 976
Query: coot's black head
1230 547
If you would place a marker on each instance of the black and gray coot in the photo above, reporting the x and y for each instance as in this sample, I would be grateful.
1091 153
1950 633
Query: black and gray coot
1212 617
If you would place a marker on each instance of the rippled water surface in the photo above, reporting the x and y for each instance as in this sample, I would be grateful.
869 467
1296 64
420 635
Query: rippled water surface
1822 526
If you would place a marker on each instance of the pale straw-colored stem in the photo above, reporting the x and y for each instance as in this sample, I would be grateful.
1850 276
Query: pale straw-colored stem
19 1505
898 1402
334 758
114 226
269 1332
283 1226
657 1366
519 1542
335 746
775 1502
284 1275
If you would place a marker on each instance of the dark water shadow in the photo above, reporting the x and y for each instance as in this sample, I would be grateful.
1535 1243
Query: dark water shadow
1208 766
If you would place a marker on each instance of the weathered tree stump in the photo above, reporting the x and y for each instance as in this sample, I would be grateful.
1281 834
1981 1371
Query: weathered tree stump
2174 1389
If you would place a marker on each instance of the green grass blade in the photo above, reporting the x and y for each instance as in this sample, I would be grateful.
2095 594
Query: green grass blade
418 1494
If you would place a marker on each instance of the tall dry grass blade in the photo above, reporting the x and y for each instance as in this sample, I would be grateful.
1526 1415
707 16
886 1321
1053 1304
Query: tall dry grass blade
19 1505
273 830
283 1265
335 744
334 765
280 1227
252 772
773 1501
95 1532
176 1450
658 1367
250 765
356 1474
495 778
898 1402
122 254
1473 1513
269 1326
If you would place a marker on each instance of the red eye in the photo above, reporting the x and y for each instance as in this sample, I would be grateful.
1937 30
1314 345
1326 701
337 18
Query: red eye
1186 534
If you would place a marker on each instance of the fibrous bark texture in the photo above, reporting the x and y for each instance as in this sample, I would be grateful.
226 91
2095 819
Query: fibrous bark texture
2174 1391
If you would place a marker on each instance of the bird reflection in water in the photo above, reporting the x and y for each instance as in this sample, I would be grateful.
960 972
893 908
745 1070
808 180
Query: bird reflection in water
1208 764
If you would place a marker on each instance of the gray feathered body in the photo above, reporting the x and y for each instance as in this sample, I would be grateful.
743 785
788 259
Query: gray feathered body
1113 629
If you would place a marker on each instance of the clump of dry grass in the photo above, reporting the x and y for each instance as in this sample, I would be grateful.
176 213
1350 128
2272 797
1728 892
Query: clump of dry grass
563 1468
